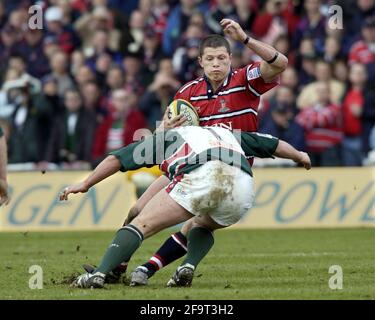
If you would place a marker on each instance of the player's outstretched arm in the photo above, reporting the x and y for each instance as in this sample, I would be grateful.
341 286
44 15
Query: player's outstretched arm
4 197
285 150
273 62
106 168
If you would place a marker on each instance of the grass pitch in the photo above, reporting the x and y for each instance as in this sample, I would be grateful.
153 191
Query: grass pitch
243 264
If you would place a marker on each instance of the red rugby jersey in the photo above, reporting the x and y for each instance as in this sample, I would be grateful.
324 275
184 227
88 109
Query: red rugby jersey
235 104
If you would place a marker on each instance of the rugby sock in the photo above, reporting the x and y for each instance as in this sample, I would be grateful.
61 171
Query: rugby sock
172 249
121 268
200 241
126 242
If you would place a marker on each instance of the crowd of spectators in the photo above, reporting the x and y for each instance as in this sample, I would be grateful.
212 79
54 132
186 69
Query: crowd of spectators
100 70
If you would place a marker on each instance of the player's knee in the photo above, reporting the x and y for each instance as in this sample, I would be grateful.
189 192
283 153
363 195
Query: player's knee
206 222
133 212
187 227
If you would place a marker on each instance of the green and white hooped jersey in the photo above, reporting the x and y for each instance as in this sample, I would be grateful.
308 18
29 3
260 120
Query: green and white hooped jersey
184 149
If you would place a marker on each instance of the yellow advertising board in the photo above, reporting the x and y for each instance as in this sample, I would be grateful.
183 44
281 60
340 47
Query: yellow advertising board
284 198
321 197
35 204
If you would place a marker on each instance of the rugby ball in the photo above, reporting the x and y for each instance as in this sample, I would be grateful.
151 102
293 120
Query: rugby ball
180 106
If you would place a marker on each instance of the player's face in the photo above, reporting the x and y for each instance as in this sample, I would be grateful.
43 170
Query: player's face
215 63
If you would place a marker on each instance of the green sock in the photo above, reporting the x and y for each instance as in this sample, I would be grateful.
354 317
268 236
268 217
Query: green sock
200 241
126 242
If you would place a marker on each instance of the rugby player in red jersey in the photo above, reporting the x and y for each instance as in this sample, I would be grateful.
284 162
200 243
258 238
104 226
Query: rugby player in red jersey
223 97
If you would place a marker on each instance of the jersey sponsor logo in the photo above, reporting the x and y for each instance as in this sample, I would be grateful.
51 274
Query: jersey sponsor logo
253 73
223 107
225 125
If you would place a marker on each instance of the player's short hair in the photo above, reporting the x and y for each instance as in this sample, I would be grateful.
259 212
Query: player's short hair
214 41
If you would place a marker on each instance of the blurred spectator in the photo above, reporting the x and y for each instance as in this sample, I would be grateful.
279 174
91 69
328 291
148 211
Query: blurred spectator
151 53
245 11
6 106
70 14
50 46
118 128
305 61
341 71
284 97
60 72
134 77
92 99
31 49
64 35
145 7
99 19
7 41
77 60
372 139
18 63
312 24
115 79
352 112
289 78
332 49
198 19
222 9
322 122
84 75
186 65
368 116
18 21
281 124
50 91
355 12
185 58
132 37
124 6
158 96
159 16
3 15
30 124
323 72
282 45
72 133
102 64
271 22
363 51
237 59
100 46
177 22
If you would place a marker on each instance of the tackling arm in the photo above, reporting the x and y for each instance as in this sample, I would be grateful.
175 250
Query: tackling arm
123 159
266 146
286 151
106 168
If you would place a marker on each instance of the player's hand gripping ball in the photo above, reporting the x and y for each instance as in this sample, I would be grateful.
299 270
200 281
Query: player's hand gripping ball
180 106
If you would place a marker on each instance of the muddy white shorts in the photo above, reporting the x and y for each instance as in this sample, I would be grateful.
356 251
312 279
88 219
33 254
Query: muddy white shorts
217 189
